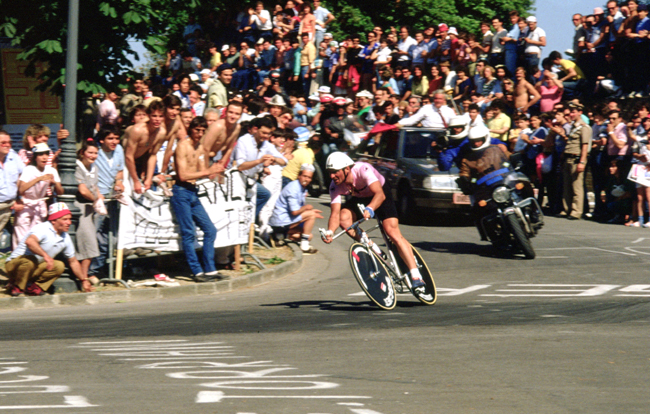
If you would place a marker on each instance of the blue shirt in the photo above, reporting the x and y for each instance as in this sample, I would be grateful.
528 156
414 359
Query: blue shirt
433 45
49 240
9 174
292 198
321 14
106 171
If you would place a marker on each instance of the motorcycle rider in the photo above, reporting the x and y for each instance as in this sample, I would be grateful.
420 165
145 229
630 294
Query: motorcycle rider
484 164
458 146
364 185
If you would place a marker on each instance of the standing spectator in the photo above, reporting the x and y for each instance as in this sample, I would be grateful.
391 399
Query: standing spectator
110 181
618 145
107 112
87 200
218 91
323 19
11 167
292 215
436 81
189 163
31 268
500 124
486 41
549 87
641 52
191 33
525 94
262 20
34 186
436 115
307 58
510 43
420 51
307 23
579 34
183 93
497 49
575 161
404 47
536 39
420 85
253 152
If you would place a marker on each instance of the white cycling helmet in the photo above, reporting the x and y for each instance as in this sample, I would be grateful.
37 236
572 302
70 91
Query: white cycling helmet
458 121
337 161
479 133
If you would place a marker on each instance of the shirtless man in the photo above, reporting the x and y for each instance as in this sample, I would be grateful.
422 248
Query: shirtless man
222 134
175 127
523 91
190 164
142 143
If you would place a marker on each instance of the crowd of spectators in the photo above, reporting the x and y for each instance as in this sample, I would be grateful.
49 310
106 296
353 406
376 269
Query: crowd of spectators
278 93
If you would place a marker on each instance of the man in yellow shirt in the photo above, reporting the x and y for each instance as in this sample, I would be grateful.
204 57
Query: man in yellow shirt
574 79
303 155
500 124
307 58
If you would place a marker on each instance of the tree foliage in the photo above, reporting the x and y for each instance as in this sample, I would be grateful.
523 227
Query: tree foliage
358 16
39 27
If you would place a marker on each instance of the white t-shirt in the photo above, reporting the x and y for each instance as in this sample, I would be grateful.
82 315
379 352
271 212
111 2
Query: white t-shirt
404 46
536 35
38 190
268 25
383 55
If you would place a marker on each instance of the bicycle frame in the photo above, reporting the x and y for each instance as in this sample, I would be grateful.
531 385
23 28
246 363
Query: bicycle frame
391 265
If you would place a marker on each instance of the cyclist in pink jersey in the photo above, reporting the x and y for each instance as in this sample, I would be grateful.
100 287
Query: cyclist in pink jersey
364 185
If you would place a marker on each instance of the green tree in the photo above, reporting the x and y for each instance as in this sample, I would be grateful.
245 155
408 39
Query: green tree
358 16
105 26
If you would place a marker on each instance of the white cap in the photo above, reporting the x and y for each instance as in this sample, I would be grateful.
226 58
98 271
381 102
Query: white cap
324 89
364 94
224 48
532 19
452 30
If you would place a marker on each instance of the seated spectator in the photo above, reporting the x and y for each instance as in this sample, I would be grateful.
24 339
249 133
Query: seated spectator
11 167
36 134
436 81
420 85
619 195
292 216
303 155
571 75
31 268
35 186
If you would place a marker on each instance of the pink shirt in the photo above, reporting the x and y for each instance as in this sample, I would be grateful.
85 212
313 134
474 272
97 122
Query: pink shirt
550 96
620 131
363 174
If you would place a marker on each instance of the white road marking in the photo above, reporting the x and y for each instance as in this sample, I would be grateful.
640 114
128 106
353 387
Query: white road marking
593 290
363 411
129 342
552 257
70 401
585 248
639 240
216 396
456 292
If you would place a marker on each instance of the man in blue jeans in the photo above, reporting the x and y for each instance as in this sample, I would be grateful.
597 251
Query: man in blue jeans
254 152
191 163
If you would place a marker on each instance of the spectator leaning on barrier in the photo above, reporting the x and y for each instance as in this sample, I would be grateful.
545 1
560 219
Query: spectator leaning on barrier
110 173
31 268
190 163
292 216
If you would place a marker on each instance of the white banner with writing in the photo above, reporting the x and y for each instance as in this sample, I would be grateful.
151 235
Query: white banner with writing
148 220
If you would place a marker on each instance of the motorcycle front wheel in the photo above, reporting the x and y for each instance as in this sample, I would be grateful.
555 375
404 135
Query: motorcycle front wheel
520 236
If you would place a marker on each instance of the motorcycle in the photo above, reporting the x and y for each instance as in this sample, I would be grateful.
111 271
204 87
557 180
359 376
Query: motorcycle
510 214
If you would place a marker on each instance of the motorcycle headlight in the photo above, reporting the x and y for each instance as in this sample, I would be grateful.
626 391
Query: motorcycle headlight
501 194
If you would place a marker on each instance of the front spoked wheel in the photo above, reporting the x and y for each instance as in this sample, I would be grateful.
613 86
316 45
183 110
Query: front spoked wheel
426 294
372 276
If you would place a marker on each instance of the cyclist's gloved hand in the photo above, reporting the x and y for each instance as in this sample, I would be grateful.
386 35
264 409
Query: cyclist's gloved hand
368 213
327 235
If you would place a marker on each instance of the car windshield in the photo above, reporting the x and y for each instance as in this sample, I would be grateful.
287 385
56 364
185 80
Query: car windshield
417 144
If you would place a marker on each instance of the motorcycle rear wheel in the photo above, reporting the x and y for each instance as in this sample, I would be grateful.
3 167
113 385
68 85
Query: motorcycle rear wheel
520 236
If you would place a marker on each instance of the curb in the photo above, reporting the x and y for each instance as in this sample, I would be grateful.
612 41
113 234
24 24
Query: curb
134 295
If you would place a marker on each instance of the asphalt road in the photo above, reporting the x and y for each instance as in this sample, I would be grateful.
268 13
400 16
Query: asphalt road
565 333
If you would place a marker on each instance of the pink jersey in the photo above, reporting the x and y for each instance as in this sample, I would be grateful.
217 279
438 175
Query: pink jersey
363 174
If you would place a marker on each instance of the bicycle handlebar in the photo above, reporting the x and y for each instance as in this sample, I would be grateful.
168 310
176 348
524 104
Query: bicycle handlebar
354 226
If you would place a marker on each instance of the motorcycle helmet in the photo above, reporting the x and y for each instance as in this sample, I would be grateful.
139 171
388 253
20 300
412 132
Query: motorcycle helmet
479 134
456 134
337 161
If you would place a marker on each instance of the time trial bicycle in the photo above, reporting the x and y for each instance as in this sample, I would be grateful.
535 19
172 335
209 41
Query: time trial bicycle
381 275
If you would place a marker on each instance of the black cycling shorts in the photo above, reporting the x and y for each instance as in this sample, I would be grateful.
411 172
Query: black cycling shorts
386 210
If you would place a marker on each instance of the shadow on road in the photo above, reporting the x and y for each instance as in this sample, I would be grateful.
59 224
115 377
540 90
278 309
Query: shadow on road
483 250
336 305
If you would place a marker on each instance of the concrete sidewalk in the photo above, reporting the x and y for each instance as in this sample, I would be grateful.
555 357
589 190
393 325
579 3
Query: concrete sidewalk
132 295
